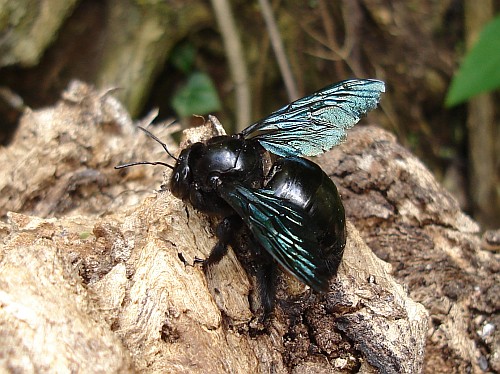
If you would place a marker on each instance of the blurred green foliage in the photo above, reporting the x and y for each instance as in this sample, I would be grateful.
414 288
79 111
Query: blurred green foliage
183 57
198 94
480 70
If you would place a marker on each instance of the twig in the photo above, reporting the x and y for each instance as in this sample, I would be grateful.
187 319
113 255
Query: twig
236 61
279 50
481 128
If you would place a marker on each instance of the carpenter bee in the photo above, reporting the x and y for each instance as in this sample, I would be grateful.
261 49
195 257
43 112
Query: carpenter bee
292 210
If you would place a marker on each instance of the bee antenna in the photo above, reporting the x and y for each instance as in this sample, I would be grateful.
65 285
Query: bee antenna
154 137
143 163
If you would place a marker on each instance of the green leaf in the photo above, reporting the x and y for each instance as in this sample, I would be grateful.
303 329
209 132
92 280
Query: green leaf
480 70
197 96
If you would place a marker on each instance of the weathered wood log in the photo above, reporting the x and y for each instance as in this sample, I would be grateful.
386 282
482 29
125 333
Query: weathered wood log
123 292
28 27
122 44
410 221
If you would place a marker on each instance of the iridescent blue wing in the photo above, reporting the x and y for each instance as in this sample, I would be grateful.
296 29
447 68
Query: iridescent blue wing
282 229
316 123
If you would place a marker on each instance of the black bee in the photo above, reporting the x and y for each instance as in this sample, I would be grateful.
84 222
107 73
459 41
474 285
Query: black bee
293 212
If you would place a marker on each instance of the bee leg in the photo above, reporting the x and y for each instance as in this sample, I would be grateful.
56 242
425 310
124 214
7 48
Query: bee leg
225 232
266 277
